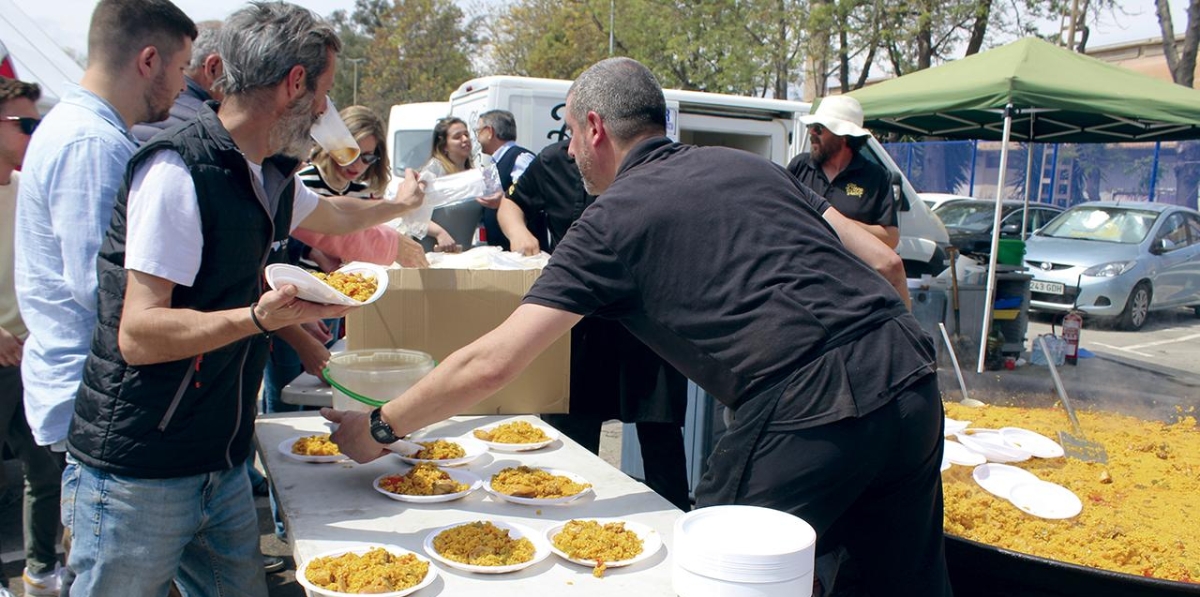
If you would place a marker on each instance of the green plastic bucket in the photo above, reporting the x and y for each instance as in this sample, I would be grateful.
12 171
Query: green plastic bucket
1011 252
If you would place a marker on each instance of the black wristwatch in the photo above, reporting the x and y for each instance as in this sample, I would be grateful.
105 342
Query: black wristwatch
380 430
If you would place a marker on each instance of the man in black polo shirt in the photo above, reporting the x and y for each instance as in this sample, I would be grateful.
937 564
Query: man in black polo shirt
613 375
860 189
837 420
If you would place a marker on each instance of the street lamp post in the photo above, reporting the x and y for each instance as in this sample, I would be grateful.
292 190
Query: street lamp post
355 62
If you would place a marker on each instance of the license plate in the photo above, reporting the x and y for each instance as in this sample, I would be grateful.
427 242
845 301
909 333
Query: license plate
1046 287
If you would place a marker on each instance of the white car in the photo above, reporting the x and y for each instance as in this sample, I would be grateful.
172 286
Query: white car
933 200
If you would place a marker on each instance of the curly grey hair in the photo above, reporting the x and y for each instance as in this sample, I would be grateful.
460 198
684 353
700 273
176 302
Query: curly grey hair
261 43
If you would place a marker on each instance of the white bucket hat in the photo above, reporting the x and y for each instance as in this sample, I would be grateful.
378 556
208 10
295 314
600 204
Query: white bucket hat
841 114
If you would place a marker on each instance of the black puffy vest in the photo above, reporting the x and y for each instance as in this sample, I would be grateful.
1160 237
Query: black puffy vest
193 416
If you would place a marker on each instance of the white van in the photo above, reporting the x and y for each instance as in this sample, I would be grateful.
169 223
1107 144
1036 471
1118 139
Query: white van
767 127
410 133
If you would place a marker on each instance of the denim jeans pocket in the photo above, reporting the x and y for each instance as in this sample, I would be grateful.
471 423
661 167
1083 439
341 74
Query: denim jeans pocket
70 487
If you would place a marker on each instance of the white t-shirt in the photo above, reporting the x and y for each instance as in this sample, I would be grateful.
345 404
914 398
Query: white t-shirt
163 232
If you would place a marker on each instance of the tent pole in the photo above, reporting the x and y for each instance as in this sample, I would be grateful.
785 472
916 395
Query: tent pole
1028 177
991 272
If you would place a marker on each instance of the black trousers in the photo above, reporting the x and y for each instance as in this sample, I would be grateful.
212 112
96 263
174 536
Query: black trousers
871 484
663 458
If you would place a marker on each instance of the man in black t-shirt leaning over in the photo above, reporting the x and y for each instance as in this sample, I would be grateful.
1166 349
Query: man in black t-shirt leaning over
613 375
835 168
837 414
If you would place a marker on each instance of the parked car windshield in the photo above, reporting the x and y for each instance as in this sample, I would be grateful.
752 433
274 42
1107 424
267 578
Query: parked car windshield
968 216
1104 224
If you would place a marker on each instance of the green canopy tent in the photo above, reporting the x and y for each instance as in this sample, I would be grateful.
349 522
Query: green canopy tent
1032 91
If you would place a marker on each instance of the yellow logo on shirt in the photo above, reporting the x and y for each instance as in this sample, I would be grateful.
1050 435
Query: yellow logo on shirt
854 190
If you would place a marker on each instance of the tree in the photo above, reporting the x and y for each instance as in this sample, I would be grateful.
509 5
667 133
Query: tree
547 38
728 46
355 42
1182 63
420 51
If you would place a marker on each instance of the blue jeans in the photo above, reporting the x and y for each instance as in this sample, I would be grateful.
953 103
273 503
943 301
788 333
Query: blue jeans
133 536
283 367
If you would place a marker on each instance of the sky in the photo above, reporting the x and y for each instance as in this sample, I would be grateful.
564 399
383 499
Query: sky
67 20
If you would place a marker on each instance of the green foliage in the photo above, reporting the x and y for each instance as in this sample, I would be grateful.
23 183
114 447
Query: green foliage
412 51
727 46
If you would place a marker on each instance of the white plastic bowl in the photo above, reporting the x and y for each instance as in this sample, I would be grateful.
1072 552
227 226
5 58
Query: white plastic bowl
744 544
992 445
1032 442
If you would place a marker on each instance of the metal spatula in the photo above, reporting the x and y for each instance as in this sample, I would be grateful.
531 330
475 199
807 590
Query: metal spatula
1079 447
962 385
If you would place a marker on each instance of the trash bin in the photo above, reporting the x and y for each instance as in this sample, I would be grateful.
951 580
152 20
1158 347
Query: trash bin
929 307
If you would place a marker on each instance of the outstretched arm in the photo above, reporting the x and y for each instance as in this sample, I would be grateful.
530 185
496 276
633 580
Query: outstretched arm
465 378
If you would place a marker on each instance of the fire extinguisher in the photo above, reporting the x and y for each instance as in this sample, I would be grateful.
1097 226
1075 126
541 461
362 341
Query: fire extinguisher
1072 325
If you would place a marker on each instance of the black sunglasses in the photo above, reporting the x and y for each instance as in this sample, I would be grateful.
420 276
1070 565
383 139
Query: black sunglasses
369 158
28 125
817 129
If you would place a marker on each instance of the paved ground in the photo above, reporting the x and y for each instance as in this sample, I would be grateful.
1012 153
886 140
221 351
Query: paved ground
1149 373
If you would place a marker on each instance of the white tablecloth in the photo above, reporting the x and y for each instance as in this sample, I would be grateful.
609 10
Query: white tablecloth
327 506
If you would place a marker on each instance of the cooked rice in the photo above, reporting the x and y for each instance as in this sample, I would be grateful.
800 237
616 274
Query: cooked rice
377 571
528 482
359 287
423 479
315 445
1140 513
590 540
482 543
516 432
439 449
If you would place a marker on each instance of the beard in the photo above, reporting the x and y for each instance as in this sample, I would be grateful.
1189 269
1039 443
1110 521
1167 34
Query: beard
159 99
829 145
586 166
290 136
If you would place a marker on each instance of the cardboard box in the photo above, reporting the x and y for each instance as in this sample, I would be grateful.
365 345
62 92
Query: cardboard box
439 311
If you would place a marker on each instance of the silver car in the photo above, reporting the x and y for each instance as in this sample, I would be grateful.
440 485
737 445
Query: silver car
1119 260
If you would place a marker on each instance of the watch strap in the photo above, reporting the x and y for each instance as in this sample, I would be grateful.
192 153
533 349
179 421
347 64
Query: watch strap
380 430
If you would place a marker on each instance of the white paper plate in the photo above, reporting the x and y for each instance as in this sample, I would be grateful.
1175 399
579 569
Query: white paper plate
487 484
1045 500
953 427
541 549
396 550
999 479
472 481
991 444
311 289
473 448
286 449
1032 442
651 542
551 434
959 454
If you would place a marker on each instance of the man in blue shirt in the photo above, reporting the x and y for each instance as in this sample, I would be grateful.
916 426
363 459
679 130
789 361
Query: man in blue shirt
137 50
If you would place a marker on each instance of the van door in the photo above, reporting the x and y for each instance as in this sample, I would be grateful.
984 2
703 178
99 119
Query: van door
767 138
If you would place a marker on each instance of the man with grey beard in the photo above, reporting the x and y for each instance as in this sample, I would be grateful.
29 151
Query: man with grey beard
165 414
